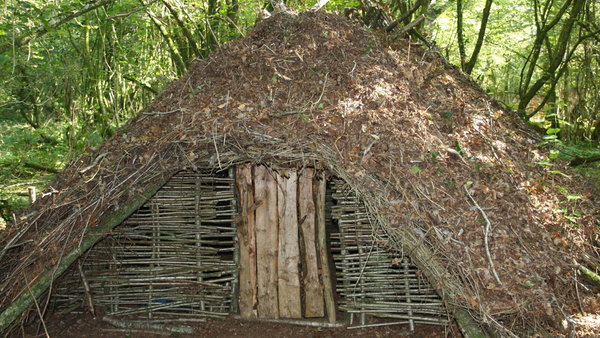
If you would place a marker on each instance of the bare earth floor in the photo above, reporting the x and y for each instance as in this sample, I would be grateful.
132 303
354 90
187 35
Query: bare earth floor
84 325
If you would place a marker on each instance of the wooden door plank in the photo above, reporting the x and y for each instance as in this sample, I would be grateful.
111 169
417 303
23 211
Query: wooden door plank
247 242
290 305
265 191
320 186
313 290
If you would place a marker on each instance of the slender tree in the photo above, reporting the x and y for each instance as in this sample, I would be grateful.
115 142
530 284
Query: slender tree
557 54
467 66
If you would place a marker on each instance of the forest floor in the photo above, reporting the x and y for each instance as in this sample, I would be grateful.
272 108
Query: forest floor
77 325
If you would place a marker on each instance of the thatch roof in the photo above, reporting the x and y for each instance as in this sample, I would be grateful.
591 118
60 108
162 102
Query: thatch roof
450 176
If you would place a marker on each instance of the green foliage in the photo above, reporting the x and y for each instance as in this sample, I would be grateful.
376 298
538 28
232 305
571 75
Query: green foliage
458 148
530 63
591 171
569 207
450 183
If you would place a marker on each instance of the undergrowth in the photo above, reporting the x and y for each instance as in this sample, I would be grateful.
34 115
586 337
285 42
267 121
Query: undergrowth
591 171
28 157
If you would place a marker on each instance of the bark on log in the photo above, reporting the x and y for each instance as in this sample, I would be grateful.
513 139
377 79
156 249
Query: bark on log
127 324
41 167
583 160
247 243
592 277
468 326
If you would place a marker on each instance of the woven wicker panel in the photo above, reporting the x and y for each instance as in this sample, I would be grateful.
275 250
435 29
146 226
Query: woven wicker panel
175 255
371 279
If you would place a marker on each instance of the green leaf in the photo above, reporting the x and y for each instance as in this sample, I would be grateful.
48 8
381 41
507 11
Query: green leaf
558 172
544 163
571 218
415 169
553 131
458 148
573 197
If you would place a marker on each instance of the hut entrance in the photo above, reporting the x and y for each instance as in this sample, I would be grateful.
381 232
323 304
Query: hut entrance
284 264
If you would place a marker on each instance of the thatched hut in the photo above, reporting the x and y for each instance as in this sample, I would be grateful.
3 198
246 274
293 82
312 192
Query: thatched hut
304 169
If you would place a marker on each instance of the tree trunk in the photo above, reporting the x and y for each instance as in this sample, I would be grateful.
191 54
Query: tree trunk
459 34
484 20
175 55
542 28
406 17
556 58
212 25
596 133
233 8
186 32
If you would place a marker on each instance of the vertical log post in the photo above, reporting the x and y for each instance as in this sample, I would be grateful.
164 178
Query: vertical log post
32 194
235 285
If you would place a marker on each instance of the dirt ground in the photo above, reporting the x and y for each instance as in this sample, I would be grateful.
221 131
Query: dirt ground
78 325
